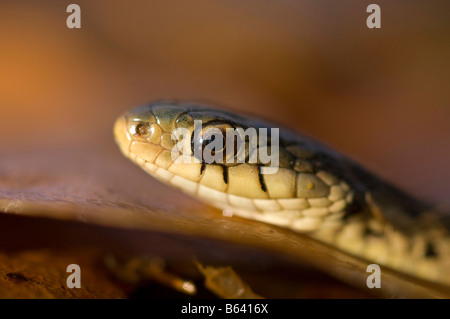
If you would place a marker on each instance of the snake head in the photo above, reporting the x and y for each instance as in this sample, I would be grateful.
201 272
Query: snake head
170 140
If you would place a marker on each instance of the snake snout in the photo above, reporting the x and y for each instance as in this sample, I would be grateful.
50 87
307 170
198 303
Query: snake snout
145 133
120 133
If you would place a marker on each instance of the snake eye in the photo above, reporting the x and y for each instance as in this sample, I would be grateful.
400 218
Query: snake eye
210 143
214 140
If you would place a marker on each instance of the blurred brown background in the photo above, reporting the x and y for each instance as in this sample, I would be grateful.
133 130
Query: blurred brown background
380 96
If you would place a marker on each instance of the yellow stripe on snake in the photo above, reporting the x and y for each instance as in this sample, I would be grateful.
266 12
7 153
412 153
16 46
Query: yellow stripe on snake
316 191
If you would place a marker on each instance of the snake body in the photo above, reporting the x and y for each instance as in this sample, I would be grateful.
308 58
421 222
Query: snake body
315 191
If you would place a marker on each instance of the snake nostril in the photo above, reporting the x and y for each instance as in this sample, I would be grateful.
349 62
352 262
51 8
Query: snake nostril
142 129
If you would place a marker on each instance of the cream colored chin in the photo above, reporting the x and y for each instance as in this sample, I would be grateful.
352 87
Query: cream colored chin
294 213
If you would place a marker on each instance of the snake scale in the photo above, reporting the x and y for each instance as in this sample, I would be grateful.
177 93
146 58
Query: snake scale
315 191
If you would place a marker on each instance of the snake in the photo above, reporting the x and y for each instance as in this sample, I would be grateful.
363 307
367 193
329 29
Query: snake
315 190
